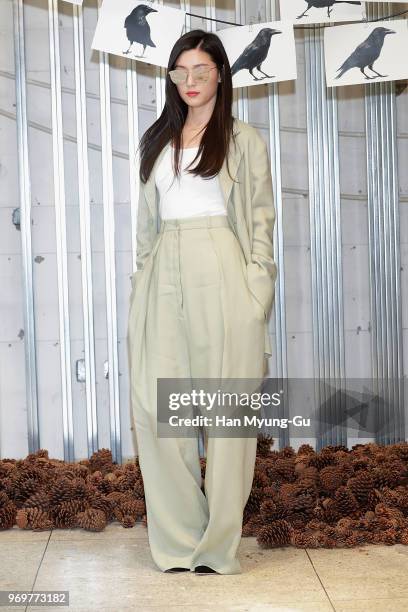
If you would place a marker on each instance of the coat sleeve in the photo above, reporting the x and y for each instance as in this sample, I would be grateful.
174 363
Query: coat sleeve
144 233
262 269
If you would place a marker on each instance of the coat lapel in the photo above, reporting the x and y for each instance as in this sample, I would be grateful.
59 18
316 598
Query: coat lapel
226 182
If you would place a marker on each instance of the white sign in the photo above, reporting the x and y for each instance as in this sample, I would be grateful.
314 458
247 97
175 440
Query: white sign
145 31
316 11
366 53
260 53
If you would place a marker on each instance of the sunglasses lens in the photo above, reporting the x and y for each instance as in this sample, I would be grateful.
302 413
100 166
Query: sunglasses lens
201 76
178 76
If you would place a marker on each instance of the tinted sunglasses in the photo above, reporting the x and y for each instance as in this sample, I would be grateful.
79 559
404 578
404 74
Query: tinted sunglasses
200 74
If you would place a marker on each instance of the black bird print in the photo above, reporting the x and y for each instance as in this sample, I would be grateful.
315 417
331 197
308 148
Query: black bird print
137 28
255 53
366 53
324 4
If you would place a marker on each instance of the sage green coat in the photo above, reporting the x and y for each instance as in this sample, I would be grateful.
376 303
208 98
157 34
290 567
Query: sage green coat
250 209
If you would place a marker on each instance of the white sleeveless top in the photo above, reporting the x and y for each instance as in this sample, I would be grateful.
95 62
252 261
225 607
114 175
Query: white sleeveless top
188 195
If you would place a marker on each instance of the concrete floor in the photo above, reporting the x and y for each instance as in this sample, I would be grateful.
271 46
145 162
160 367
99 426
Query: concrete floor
113 570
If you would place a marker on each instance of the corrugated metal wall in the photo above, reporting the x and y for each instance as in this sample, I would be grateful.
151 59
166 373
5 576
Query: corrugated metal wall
70 118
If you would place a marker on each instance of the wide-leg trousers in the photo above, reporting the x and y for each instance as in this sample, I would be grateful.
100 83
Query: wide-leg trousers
192 314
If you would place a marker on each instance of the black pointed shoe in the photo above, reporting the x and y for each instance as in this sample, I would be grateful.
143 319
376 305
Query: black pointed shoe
175 570
203 570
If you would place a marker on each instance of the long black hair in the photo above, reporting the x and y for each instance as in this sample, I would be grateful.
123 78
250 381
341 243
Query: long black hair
215 142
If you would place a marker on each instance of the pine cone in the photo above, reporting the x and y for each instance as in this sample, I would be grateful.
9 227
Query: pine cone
264 444
286 468
355 539
8 511
117 497
385 477
373 497
361 485
306 539
297 520
6 469
61 491
393 515
254 501
335 448
345 525
328 512
322 460
404 537
306 485
401 449
276 534
101 461
270 492
304 503
140 508
42 453
315 524
128 521
288 451
272 510
306 449
39 500
299 539
300 465
92 519
345 501
101 502
23 488
130 508
80 471
260 479
311 473
331 477
33 518
138 489
252 526
389 536
64 514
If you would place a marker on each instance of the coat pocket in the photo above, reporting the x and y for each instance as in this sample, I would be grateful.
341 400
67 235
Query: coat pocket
253 280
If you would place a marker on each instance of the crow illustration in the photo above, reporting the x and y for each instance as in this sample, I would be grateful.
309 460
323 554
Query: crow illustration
323 4
255 53
366 53
137 28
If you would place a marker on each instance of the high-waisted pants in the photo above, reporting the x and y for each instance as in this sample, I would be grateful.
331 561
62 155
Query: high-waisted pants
192 314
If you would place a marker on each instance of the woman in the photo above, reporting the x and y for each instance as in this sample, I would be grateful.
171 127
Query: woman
200 302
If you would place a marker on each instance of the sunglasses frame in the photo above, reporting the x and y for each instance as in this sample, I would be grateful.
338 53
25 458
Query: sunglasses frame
204 70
